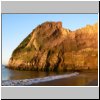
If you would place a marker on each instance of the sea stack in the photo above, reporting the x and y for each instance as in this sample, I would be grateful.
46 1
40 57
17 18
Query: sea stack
50 47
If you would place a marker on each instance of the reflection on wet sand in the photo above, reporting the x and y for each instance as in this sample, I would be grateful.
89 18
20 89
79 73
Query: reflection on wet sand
84 78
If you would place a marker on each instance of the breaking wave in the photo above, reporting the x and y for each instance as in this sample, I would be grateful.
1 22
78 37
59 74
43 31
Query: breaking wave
27 82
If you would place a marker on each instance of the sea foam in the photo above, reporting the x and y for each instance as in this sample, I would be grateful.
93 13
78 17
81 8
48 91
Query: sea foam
28 82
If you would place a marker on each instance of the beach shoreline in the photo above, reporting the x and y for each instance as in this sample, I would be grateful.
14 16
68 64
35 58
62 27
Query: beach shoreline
53 83
74 79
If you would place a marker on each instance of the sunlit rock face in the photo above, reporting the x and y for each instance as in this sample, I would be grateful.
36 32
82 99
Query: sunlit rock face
50 47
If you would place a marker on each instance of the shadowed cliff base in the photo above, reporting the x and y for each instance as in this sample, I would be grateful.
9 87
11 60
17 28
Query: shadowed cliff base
50 47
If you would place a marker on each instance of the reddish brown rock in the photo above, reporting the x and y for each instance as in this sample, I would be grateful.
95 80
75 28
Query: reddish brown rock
50 47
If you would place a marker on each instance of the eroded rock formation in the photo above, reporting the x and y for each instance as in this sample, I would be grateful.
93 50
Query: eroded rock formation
50 47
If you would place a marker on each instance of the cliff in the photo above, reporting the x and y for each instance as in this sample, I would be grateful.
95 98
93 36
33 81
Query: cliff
50 47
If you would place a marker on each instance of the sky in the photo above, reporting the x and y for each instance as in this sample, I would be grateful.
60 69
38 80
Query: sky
15 27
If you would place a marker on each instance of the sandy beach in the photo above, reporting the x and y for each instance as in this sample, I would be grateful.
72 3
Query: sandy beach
80 80
73 79
68 82
93 83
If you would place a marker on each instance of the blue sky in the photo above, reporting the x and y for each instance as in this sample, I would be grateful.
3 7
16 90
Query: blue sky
15 27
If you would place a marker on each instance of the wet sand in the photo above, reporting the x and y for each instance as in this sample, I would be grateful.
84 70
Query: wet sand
86 78
93 83
28 82
68 82
83 79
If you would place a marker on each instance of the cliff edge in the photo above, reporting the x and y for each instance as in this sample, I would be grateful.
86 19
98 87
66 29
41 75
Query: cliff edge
50 47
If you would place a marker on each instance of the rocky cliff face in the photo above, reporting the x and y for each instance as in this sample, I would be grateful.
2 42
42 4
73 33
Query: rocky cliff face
50 47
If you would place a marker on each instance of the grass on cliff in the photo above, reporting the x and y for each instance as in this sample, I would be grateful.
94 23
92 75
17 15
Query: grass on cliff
22 45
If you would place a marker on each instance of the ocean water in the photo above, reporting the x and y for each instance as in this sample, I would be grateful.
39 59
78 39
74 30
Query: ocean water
9 74
27 78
